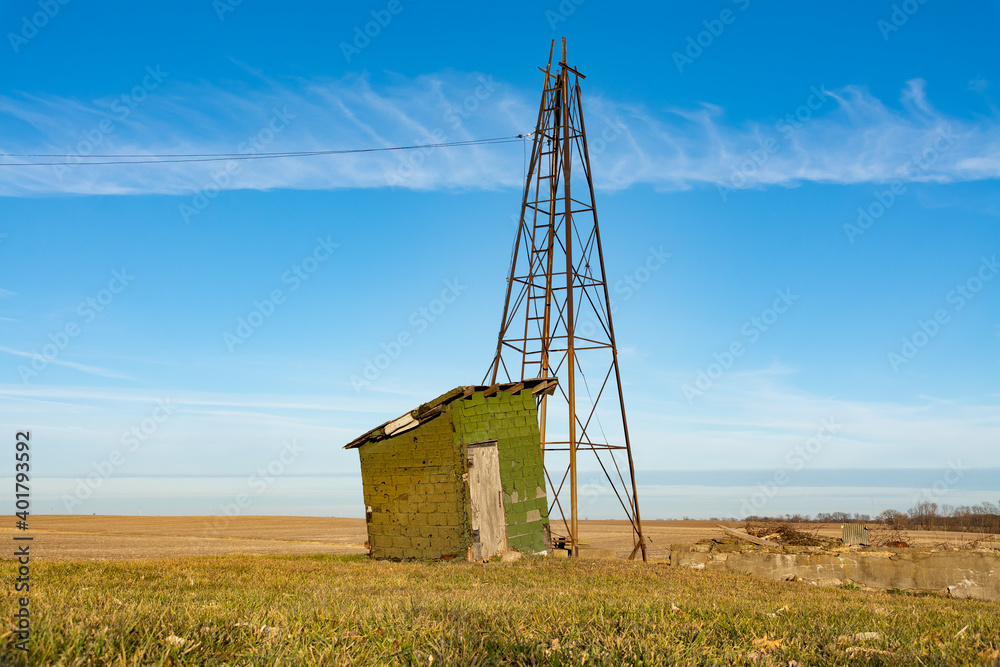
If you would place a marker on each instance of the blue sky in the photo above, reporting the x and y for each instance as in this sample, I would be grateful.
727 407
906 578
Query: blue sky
840 163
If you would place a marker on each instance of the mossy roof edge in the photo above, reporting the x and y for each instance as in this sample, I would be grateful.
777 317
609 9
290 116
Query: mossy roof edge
427 411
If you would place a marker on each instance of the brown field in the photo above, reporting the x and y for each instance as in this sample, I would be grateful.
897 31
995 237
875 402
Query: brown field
120 537
116 537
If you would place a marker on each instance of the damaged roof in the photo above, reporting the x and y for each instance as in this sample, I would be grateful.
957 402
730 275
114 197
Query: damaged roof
433 408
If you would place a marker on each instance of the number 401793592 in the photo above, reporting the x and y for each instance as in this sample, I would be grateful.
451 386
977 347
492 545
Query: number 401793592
22 468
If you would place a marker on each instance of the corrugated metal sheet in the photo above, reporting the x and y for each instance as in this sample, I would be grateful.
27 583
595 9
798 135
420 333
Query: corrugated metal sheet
855 533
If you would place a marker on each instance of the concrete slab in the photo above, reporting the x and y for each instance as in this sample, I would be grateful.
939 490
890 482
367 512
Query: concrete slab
965 573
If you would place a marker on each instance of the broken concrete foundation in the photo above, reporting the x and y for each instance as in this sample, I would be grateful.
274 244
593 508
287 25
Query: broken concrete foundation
959 573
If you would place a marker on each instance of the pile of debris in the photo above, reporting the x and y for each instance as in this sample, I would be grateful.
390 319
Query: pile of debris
883 535
770 534
784 535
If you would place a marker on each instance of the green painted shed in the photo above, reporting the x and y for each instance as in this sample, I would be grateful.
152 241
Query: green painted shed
460 476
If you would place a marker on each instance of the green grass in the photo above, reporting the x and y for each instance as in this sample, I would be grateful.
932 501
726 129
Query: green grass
320 610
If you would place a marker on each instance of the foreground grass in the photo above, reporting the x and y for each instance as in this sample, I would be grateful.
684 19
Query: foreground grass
319 610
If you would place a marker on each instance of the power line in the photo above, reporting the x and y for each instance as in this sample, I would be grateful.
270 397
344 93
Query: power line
169 158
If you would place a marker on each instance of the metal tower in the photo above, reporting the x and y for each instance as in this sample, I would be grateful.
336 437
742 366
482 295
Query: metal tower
557 312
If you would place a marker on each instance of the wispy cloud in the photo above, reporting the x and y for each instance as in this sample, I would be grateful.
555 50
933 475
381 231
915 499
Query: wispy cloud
83 368
754 419
197 432
194 399
979 84
846 136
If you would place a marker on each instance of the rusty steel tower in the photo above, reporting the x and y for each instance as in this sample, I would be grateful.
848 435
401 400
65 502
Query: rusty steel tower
557 312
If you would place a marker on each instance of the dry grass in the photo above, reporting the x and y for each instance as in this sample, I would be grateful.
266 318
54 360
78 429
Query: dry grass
348 610
325 609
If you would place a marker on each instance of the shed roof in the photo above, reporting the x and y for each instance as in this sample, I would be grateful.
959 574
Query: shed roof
433 408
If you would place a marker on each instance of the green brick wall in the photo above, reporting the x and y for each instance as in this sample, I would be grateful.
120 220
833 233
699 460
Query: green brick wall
413 483
512 420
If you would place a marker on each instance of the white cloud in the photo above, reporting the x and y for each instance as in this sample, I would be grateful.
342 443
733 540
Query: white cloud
83 368
194 399
848 136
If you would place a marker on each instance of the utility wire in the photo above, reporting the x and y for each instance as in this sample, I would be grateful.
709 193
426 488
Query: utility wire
167 158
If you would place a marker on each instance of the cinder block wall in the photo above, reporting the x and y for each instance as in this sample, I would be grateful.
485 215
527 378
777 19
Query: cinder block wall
413 483
511 419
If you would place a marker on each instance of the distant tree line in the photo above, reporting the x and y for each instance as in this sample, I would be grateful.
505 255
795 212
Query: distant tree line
925 515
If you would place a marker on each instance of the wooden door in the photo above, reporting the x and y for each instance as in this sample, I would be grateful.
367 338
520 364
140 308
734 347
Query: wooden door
489 521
